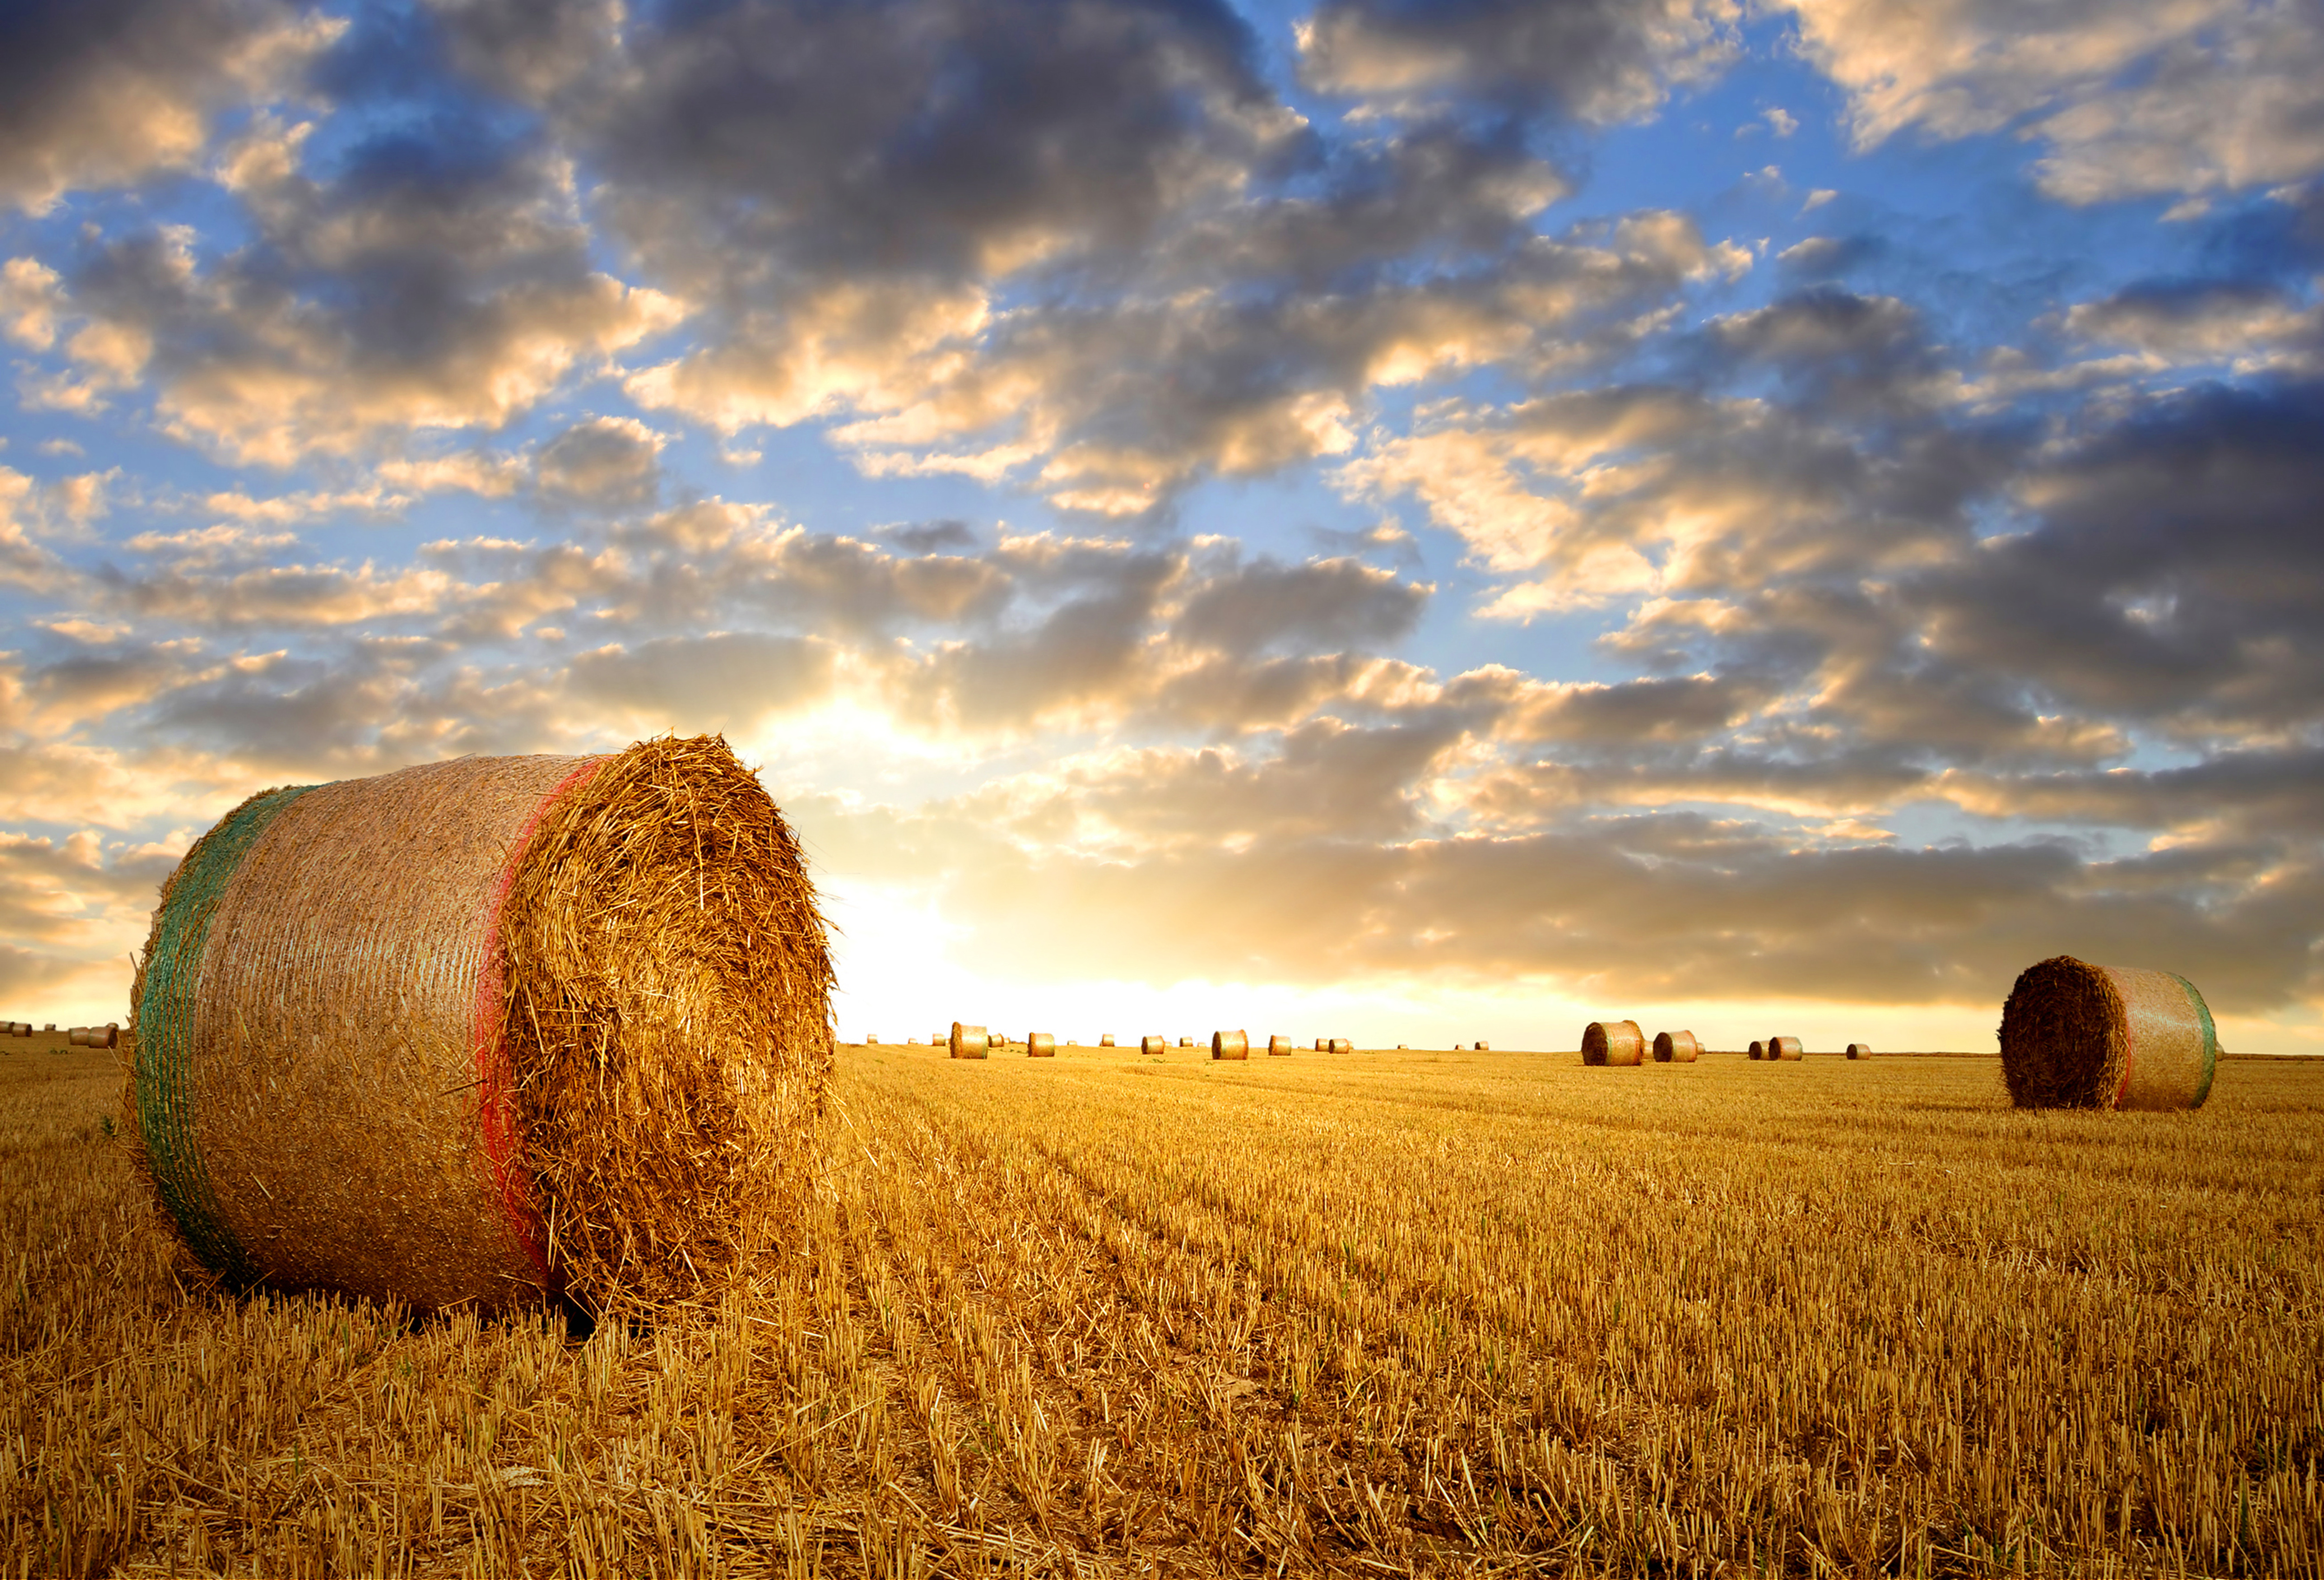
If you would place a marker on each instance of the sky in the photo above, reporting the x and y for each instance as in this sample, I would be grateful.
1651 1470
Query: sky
1418 522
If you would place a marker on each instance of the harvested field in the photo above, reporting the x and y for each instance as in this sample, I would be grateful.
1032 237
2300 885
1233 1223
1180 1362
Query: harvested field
1099 1316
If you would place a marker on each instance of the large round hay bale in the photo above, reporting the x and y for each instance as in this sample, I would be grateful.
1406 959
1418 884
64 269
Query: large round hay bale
1278 1047
478 1032
1483 1046
1185 1042
1230 1044
1041 1045
1758 1050
1859 1051
1106 1040
1153 1044
871 1039
968 1042
2076 1035
1613 1042
1342 1045
1676 1048
1786 1049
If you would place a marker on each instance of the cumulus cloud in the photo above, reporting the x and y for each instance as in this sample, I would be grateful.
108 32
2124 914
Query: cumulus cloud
101 93
2188 97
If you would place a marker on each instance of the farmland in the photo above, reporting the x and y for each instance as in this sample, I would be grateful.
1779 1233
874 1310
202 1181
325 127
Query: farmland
1389 1312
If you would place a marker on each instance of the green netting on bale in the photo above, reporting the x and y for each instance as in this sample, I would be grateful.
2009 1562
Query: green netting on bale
2210 1040
163 1067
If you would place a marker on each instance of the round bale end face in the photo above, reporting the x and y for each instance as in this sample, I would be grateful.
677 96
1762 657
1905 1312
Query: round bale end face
2076 1035
1613 1042
1758 1050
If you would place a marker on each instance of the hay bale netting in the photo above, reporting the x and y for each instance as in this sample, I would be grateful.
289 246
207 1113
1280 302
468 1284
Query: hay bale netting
968 1042
1342 1045
1230 1044
1153 1044
1041 1045
1677 1048
1786 1049
2076 1035
1613 1042
1278 1047
1859 1051
1758 1050
486 1031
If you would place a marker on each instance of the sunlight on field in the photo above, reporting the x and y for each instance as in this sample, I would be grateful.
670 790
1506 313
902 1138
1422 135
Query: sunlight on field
1410 1313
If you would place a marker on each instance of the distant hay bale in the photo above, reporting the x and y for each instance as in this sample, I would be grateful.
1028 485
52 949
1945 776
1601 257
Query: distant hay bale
1613 1042
968 1042
2076 1035
107 1037
1106 1040
1342 1045
1758 1050
1041 1045
1404 1047
1153 1044
484 1031
1676 1048
1859 1051
1278 1047
1185 1042
1230 1044
1483 1046
1322 1044
1786 1049
998 1040
871 1039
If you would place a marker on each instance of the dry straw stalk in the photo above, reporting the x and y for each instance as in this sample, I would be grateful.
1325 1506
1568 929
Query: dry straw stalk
2076 1035
475 1031
1613 1042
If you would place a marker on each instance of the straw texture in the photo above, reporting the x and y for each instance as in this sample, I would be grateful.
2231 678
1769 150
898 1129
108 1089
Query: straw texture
1230 1044
968 1042
476 1031
1041 1045
1613 1042
1676 1048
2076 1035
1786 1049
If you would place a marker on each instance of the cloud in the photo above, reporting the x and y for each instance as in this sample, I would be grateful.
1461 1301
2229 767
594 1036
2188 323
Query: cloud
2187 99
1600 61
603 464
427 286
1324 603
104 92
725 682
2248 325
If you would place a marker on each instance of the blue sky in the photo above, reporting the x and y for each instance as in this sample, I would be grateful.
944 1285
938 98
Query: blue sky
1428 522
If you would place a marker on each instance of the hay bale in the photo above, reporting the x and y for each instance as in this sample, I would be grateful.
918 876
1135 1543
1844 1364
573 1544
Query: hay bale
1230 1044
1758 1050
1677 1048
1786 1049
482 1031
2076 1035
1278 1047
1483 1047
1859 1051
1613 1042
1106 1040
1041 1045
1322 1044
1342 1045
1185 1042
1153 1045
968 1042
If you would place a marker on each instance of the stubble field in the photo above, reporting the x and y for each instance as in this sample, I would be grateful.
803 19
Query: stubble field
1387 1313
